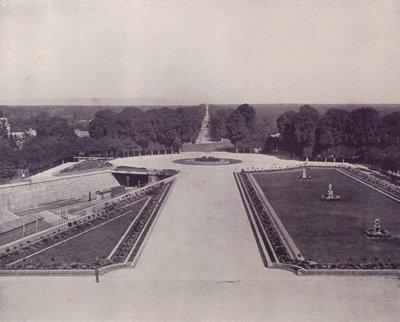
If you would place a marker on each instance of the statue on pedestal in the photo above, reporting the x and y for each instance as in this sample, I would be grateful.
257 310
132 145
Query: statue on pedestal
304 175
377 232
330 196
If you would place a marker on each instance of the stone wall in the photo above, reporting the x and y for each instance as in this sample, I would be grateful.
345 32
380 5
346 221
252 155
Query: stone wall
25 195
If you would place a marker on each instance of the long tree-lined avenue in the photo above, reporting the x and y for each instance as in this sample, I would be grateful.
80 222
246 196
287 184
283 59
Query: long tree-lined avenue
204 135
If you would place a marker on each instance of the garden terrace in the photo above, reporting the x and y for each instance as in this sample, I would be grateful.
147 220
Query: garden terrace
90 245
329 235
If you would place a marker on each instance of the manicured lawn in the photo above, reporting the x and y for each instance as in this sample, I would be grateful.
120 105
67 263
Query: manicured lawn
329 231
97 243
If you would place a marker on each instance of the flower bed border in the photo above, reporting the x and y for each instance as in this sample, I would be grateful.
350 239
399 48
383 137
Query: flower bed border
137 237
113 266
75 230
299 267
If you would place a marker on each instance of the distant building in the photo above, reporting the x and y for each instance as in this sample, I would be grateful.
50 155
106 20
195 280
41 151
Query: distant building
19 137
4 123
31 132
276 135
81 133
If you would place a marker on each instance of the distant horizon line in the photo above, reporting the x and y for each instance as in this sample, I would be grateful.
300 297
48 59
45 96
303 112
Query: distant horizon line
186 104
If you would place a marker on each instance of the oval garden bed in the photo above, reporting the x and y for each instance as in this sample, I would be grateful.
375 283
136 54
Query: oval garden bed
207 160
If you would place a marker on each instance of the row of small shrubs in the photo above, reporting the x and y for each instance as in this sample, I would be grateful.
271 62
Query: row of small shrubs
60 264
135 231
277 244
376 264
290 167
382 184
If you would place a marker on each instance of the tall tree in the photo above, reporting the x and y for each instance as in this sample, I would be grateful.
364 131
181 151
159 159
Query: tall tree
269 124
166 124
191 118
3 129
7 160
361 128
236 128
135 124
285 124
304 130
218 119
104 124
331 129
389 130
241 125
54 126
249 115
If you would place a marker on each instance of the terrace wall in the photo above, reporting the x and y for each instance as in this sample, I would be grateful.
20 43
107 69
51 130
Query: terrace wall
83 217
30 194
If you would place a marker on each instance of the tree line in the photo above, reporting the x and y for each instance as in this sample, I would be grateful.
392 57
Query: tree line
361 134
149 130
241 126
111 134
55 141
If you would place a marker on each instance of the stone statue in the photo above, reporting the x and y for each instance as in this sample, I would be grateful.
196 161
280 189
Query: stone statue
330 191
304 175
377 232
330 196
377 227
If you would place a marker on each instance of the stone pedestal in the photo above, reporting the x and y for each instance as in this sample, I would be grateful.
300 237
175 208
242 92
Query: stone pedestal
330 196
377 232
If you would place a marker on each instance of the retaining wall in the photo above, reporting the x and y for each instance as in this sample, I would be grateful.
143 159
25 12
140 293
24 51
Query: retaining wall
83 217
31 194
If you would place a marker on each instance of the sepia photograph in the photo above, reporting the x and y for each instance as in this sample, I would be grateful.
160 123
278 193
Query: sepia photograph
199 160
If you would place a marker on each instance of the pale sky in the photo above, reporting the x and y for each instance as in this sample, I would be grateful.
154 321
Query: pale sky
191 52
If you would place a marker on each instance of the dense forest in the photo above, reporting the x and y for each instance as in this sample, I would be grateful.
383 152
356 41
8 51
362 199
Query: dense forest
243 126
361 134
267 114
111 134
22 117
358 134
